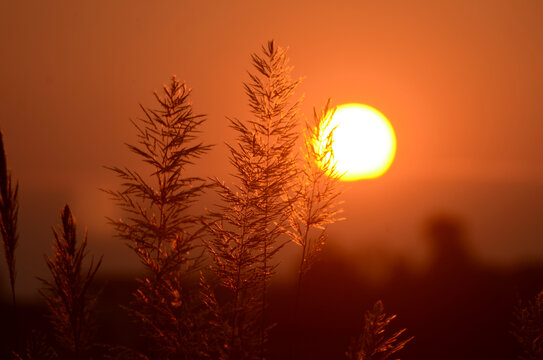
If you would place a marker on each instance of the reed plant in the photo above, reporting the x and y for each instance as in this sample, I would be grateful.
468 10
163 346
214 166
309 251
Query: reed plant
375 342
248 227
67 294
315 204
317 191
274 130
9 208
161 225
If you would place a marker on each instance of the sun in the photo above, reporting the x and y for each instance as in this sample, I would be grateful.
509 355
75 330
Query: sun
363 142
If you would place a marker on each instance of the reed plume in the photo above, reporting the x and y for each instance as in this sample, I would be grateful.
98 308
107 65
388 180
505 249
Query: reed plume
160 224
317 190
235 249
247 235
316 203
374 343
67 294
9 208
275 129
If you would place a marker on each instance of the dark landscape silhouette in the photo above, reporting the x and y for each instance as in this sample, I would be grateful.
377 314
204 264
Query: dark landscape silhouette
213 279
456 308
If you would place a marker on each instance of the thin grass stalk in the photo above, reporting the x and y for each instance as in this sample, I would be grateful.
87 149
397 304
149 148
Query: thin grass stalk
9 208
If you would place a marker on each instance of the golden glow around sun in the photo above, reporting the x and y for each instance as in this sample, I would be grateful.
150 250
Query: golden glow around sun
363 144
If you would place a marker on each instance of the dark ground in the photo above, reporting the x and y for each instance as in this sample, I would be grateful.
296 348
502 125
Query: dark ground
457 309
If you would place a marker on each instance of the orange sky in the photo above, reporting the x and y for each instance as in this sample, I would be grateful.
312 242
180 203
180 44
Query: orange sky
460 81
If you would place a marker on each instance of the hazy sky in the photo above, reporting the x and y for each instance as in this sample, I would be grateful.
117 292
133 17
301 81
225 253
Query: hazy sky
460 81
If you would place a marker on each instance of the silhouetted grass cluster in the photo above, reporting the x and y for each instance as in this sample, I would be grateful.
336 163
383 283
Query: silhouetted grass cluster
204 293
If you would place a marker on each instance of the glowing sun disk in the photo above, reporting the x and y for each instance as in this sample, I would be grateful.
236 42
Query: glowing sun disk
364 143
